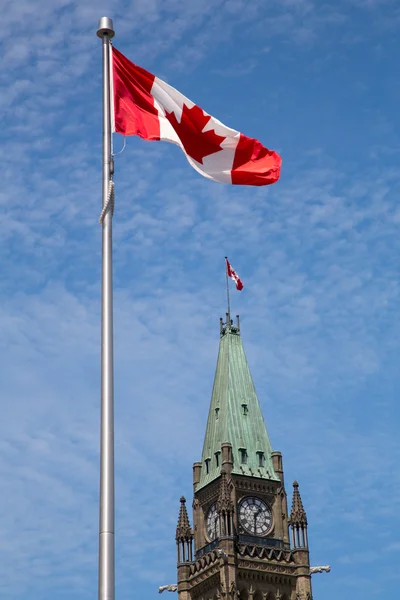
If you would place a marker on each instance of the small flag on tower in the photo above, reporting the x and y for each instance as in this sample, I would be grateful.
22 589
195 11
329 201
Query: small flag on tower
233 275
150 108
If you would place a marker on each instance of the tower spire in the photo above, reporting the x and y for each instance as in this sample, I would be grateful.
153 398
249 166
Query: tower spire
235 416
184 534
183 529
298 519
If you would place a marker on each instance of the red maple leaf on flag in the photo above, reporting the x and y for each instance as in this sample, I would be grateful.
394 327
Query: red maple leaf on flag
196 142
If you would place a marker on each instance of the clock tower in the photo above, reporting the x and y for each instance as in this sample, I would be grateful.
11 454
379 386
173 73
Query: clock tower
244 544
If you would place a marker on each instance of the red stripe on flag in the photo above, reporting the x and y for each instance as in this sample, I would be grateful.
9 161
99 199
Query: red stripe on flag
135 113
254 164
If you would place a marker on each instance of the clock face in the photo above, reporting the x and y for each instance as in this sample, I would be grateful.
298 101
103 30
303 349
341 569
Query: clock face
212 523
255 516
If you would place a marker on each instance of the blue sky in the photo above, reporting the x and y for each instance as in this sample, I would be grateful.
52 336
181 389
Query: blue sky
318 254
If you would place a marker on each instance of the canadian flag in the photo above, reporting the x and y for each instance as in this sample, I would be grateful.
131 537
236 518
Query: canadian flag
233 275
144 105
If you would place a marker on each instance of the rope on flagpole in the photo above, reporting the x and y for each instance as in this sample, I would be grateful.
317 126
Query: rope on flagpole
110 203
114 154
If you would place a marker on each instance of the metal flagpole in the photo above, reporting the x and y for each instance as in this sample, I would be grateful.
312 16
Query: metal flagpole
106 583
227 289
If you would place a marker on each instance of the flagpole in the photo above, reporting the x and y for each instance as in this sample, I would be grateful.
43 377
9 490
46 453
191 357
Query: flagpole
227 291
106 577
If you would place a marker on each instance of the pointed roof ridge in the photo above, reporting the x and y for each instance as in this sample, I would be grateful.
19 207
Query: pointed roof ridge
235 415
183 529
298 514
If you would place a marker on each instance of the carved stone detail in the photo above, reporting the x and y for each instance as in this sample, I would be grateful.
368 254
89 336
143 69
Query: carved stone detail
233 592
208 496
183 529
325 568
266 553
288 582
261 566
202 586
255 486
298 515
171 587
224 502
205 561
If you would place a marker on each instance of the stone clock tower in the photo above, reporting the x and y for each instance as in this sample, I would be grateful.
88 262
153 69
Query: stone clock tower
244 545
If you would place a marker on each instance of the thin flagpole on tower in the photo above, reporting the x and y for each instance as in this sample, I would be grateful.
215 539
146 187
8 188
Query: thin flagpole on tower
227 290
106 581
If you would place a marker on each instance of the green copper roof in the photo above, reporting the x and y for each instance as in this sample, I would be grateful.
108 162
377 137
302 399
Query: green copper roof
235 416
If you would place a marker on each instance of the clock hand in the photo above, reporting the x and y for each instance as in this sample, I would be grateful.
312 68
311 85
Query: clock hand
256 513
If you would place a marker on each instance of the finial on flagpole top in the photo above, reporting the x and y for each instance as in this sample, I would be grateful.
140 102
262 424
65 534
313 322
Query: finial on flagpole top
105 27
